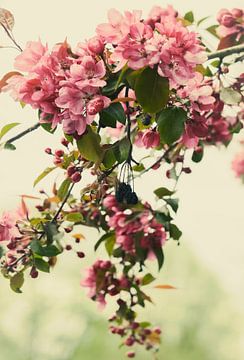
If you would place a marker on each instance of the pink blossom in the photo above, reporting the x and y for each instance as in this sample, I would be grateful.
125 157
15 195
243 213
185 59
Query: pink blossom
238 164
150 139
31 55
231 22
8 229
95 45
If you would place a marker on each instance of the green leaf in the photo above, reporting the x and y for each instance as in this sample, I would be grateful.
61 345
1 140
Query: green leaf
230 96
202 20
133 76
50 230
121 150
48 127
49 251
7 128
9 146
189 17
109 244
175 232
173 203
145 324
163 218
74 217
236 128
109 158
42 265
197 156
44 174
16 282
161 192
147 279
89 146
158 251
138 168
122 76
171 124
152 90
64 188
212 30
109 116
103 238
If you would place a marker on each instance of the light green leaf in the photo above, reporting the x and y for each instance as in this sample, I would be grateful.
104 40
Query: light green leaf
89 146
7 128
16 282
64 188
44 174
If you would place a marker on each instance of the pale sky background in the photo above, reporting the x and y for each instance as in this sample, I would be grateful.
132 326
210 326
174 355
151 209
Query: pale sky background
211 212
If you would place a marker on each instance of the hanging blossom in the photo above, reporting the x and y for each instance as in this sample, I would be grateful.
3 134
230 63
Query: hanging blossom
161 40
238 165
127 225
65 87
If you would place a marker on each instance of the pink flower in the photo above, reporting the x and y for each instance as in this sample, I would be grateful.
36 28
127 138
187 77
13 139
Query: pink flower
238 164
151 139
8 229
118 26
31 55
96 45
231 22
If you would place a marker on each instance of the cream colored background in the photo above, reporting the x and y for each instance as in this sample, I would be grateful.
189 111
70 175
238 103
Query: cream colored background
211 211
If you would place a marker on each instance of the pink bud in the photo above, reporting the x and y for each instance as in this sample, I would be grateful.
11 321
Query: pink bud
34 272
131 354
80 254
68 247
48 151
71 170
59 153
76 177
228 20
95 106
64 142
95 45
237 13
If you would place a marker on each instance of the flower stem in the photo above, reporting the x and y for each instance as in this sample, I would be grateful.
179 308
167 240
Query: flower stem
23 133
226 52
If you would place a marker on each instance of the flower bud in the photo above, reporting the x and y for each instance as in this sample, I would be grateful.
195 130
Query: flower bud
76 177
95 45
48 151
59 153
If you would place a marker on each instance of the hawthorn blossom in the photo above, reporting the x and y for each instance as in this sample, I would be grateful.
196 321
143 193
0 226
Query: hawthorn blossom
238 164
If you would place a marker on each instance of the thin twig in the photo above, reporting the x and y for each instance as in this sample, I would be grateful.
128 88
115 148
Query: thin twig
23 133
63 203
226 52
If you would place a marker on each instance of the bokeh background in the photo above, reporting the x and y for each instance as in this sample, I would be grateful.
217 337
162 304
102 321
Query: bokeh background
53 319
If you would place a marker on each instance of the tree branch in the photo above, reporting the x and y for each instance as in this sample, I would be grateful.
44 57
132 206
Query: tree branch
23 133
226 52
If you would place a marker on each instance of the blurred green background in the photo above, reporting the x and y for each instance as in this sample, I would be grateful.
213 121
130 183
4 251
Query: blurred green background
54 320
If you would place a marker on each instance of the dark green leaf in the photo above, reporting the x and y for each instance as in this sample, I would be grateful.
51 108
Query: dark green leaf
89 146
121 150
16 282
173 203
158 251
147 279
163 218
43 174
42 265
175 232
133 76
48 127
49 251
109 158
109 116
197 156
161 192
152 90
171 124
9 146
50 230
102 239
64 188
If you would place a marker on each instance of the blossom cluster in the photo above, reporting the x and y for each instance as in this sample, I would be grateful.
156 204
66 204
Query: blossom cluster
231 23
131 226
64 86
160 40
